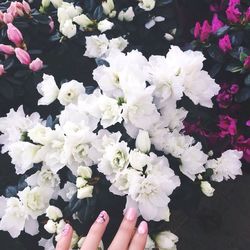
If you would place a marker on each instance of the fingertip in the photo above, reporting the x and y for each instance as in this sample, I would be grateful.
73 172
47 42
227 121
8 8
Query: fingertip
142 228
65 238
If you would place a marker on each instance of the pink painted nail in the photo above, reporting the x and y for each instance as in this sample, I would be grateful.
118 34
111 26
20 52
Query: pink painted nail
143 227
131 214
66 230
102 217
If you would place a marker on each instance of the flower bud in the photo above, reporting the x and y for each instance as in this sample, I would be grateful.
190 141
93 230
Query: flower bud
36 65
127 15
83 21
207 189
8 18
85 192
2 71
45 3
53 213
138 160
80 182
143 142
7 49
50 226
15 9
108 6
166 240
14 34
26 7
168 37
23 56
84 172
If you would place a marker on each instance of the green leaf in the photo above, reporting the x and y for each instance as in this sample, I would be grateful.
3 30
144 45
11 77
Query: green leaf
220 32
234 67
243 56
215 69
243 95
163 2
247 80
98 13
216 53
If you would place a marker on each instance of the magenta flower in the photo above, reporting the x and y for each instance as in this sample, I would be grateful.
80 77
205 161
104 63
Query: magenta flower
243 144
224 99
234 89
197 30
7 49
2 71
228 125
247 63
14 34
225 43
205 31
216 23
233 14
8 18
247 15
36 65
248 123
23 56
233 2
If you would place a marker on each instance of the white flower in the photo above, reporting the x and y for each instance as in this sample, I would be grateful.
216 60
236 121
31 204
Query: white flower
83 21
166 240
53 213
193 161
48 89
67 12
47 243
138 160
104 25
118 43
50 226
108 7
207 189
60 226
96 46
14 217
68 29
127 15
56 3
24 155
147 5
142 141
84 172
68 191
227 166
80 182
85 192
35 200
40 134
149 244
70 91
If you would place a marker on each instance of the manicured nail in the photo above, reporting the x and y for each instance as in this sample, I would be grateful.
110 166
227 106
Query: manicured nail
131 214
143 227
102 217
66 230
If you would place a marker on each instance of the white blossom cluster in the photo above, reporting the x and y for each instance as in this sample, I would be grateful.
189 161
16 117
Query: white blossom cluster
139 97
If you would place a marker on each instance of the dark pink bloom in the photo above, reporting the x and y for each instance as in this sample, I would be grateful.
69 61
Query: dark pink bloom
233 2
225 43
197 30
7 49
2 71
233 14
8 18
243 144
36 65
227 125
216 23
248 123
14 34
234 89
247 14
26 7
23 56
205 31
224 99
247 63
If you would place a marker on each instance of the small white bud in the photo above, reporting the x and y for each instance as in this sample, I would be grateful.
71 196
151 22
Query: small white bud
85 192
207 189
80 182
50 226
143 142
53 213
84 172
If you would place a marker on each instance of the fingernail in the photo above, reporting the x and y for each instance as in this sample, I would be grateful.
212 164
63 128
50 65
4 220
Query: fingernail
102 217
131 214
143 227
66 229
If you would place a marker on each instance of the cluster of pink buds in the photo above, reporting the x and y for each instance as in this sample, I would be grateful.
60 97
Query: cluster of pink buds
16 9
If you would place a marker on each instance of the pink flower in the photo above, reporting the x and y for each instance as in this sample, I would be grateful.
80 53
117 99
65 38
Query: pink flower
233 14
234 89
15 9
8 18
23 56
205 31
247 63
51 24
26 7
227 125
243 144
14 34
247 14
7 49
233 2
197 30
36 65
2 71
224 99
216 23
225 43
248 123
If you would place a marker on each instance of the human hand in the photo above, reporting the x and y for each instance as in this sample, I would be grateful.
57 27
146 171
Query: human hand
125 239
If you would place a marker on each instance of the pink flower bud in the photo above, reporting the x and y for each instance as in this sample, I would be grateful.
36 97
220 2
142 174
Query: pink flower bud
36 65
23 56
233 14
197 30
216 23
248 123
247 14
14 34
26 7
247 63
51 24
8 18
2 71
225 44
15 9
205 31
7 49
233 2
